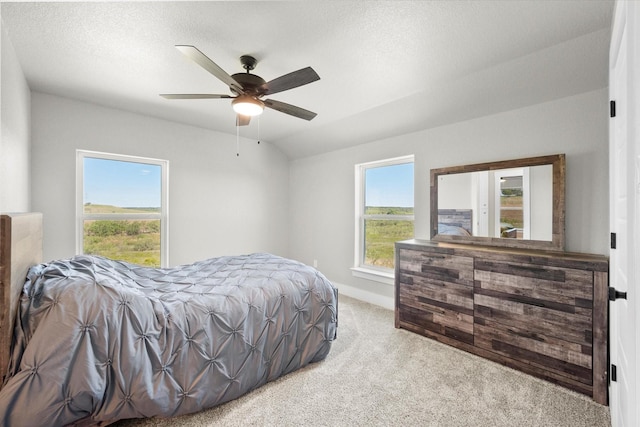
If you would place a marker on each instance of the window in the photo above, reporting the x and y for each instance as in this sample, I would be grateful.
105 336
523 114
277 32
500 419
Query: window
512 204
384 212
121 208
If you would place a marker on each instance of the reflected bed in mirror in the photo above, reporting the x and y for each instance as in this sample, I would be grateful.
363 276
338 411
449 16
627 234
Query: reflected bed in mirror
513 203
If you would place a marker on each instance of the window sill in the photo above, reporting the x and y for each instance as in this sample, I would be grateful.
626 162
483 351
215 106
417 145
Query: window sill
386 277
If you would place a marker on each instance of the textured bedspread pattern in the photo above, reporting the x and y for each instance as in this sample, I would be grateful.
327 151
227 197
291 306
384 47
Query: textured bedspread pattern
98 340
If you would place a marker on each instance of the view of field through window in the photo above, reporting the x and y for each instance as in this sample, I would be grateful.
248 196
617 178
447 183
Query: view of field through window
381 235
122 210
511 207
135 241
388 212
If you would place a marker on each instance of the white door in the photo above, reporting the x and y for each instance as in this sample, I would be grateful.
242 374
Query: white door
624 180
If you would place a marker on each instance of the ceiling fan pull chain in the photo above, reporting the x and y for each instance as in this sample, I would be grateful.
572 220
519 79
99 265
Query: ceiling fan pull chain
258 129
237 136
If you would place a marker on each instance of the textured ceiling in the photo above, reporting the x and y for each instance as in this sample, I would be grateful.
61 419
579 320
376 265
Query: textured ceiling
386 67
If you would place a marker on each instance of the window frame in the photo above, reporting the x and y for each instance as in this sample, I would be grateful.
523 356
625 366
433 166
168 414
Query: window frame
360 269
163 216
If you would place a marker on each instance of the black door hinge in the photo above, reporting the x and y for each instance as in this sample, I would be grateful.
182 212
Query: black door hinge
614 373
612 108
613 240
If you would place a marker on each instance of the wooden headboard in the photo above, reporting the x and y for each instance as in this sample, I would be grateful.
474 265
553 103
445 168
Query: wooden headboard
20 248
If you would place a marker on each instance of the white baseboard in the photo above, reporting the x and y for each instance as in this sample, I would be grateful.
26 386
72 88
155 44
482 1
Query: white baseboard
366 296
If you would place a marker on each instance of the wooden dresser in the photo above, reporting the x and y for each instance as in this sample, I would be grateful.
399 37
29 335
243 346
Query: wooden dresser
543 313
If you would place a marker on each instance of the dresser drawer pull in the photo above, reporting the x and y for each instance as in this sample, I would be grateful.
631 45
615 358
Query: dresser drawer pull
530 335
528 302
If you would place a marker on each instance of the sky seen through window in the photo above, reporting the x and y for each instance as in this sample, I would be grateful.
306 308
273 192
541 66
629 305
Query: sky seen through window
122 184
389 186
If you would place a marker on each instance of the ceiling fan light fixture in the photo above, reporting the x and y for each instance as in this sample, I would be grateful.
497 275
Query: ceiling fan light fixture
246 105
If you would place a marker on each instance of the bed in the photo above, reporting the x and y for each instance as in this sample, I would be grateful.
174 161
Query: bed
97 340
455 222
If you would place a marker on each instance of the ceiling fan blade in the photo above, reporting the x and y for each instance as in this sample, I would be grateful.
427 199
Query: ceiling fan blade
242 120
203 60
193 96
291 80
292 110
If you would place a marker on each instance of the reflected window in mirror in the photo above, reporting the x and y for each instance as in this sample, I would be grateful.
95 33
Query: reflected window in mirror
512 217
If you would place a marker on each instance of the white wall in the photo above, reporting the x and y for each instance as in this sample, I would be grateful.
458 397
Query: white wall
15 99
455 191
540 181
322 187
219 204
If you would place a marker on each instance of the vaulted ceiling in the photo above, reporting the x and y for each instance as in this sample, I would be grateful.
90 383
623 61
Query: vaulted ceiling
386 67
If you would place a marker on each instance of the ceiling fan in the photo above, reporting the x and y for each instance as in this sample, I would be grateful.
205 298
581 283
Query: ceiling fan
249 89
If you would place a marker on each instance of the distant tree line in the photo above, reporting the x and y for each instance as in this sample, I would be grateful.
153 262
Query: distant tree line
104 228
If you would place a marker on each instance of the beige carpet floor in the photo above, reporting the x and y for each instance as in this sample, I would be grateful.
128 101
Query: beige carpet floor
377 375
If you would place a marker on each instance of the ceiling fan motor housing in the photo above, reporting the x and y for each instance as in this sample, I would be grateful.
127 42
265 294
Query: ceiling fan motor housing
251 83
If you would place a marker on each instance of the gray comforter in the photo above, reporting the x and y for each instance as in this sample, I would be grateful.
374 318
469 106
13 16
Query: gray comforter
98 340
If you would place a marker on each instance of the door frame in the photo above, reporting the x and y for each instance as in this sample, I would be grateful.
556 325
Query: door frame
625 32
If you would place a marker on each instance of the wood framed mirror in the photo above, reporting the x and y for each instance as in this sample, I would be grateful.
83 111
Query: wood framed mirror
512 203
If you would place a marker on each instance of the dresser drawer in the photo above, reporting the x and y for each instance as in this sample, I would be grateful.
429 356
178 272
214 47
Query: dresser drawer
437 266
441 307
537 313
436 293
544 285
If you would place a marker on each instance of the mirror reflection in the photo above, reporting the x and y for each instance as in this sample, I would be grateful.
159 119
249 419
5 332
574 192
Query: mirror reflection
514 203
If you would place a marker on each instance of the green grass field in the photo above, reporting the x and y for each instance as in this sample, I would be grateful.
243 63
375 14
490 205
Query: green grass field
380 235
513 217
138 241
135 241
